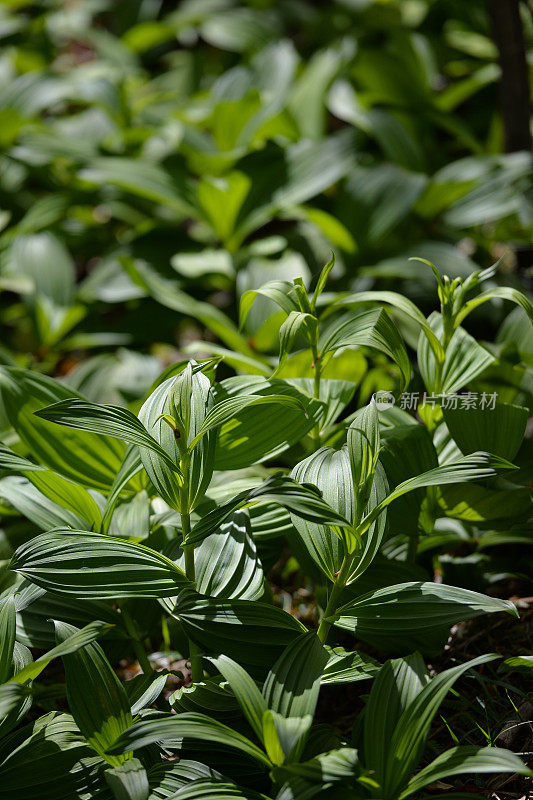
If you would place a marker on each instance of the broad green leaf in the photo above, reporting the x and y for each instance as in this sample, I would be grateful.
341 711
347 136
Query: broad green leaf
106 421
473 503
90 677
216 790
463 760
31 503
184 400
190 725
226 562
372 329
78 455
262 432
340 765
348 666
225 410
59 490
303 501
128 781
473 467
52 762
404 305
292 685
280 292
251 633
296 326
499 428
465 360
407 615
329 470
91 565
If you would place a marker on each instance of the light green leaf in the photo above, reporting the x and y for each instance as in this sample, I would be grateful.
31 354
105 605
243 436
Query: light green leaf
499 429
404 305
372 329
78 455
105 420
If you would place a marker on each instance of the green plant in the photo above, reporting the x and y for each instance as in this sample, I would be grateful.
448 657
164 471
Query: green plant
173 506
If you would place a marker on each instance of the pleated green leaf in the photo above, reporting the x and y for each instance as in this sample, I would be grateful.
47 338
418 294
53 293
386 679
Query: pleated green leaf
347 667
328 470
78 455
96 697
397 684
128 781
292 685
404 616
7 636
372 329
189 725
404 305
33 505
253 634
226 410
463 760
186 399
106 421
52 762
227 564
96 566
216 790
473 467
498 428
250 699
280 292
301 500
262 432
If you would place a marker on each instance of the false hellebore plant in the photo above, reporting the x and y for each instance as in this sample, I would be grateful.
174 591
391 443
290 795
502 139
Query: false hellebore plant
166 517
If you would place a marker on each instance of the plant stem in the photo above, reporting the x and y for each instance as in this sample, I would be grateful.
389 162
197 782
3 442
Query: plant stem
317 366
197 672
338 586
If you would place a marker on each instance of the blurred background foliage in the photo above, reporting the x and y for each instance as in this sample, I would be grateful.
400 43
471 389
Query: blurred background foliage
158 159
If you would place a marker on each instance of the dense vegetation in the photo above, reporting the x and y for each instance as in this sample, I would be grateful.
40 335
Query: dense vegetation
244 496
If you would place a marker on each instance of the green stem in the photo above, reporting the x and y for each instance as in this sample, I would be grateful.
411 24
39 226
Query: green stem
338 586
317 366
197 672
138 648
